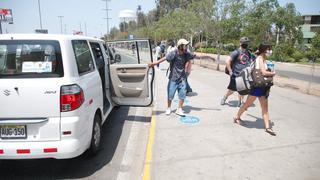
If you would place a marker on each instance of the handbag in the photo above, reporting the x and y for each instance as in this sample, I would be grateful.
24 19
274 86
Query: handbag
258 80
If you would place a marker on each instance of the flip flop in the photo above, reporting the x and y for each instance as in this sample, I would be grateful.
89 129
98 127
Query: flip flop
238 121
270 131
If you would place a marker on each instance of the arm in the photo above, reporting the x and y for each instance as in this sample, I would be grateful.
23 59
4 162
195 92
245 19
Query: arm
228 64
157 62
187 67
263 68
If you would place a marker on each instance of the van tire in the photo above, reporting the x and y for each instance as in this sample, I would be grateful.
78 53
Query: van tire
96 135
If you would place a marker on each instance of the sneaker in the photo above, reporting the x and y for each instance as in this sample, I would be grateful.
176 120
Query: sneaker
223 100
180 112
168 111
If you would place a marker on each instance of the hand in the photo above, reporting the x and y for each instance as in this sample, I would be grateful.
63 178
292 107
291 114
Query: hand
151 65
273 73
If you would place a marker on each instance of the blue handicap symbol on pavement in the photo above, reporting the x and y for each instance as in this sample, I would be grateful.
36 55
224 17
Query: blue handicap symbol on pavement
189 120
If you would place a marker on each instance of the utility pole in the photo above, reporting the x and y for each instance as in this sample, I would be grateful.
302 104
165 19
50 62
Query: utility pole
40 14
107 13
60 17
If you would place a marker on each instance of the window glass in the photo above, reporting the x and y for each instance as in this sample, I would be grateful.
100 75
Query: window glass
30 58
83 56
129 52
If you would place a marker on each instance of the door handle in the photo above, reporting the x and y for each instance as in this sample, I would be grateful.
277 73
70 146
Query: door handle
123 70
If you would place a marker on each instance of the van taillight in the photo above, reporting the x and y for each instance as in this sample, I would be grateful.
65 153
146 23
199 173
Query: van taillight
71 97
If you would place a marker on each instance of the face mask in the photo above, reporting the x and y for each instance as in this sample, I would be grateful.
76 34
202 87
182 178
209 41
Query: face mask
244 46
269 53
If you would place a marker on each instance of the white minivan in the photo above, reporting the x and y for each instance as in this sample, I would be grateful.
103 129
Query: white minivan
56 91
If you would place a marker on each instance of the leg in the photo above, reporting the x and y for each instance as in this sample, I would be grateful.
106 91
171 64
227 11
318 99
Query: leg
265 115
182 95
181 101
248 103
231 89
229 92
171 89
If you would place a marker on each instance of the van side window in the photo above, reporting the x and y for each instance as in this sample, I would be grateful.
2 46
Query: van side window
83 56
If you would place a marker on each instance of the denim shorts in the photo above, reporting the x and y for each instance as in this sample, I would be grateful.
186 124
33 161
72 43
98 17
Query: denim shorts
173 86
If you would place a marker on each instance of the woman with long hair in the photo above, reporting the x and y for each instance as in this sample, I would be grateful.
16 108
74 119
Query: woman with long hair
262 94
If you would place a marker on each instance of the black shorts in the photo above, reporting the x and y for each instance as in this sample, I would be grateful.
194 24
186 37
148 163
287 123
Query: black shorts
232 83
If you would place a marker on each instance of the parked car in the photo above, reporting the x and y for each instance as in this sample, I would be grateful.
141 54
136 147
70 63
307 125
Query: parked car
56 91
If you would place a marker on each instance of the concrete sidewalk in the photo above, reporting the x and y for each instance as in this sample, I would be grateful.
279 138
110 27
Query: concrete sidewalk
216 148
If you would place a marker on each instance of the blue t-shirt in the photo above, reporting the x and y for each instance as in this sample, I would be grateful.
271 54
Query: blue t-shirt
240 60
177 64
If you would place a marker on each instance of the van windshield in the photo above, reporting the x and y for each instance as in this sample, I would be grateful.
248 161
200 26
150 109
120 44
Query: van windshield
30 58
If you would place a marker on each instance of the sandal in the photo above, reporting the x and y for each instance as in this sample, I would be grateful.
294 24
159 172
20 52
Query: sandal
238 121
270 131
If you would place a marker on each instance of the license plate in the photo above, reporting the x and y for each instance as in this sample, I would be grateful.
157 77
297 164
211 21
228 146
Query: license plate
13 132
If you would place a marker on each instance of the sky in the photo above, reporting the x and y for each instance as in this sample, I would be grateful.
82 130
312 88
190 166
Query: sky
87 15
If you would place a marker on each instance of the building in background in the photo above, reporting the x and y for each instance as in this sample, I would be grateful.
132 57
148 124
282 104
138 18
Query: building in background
311 25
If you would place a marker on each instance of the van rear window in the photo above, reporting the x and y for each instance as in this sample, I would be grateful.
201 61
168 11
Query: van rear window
30 59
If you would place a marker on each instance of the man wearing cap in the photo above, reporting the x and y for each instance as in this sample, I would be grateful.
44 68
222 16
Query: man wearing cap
237 61
178 59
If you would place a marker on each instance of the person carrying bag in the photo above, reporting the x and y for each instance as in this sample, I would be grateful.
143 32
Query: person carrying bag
261 87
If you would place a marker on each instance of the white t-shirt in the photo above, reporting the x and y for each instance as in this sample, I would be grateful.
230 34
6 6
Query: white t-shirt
158 52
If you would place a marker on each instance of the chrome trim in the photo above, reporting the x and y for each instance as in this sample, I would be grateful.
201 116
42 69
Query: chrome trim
9 121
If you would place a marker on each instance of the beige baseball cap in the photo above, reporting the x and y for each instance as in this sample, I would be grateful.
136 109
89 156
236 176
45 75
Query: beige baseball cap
182 42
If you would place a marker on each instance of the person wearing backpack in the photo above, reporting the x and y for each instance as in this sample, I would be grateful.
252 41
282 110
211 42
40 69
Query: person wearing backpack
237 61
262 92
178 58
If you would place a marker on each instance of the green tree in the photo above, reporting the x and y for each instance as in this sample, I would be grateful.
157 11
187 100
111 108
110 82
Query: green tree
258 20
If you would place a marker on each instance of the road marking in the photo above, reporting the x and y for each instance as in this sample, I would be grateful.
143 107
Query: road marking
189 120
127 159
147 169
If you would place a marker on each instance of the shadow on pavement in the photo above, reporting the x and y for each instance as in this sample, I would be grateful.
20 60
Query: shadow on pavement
79 167
258 124
188 109
234 103
190 94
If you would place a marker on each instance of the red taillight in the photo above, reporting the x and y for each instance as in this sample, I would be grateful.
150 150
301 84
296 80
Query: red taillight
50 150
71 97
1 151
23 151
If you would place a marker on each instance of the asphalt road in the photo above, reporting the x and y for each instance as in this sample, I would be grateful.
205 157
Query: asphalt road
124 141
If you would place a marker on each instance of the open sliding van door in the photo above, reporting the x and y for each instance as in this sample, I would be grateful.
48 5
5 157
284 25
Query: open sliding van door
131 78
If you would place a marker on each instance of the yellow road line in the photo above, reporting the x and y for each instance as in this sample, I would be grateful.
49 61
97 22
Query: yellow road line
147 169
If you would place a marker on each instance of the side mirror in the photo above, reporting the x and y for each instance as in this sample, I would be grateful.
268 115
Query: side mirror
117 58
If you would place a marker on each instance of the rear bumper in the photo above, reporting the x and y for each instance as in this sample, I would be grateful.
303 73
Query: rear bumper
34 150
65 147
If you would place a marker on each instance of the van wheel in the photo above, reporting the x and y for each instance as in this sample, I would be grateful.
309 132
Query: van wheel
96 135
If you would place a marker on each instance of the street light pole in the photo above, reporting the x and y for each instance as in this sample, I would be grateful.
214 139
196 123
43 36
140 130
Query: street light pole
40 14
60 23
